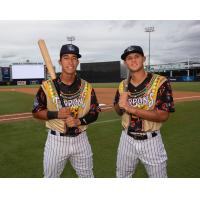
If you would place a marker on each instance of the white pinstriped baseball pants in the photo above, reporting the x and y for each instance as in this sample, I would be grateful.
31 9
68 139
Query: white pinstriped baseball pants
59 149
151 152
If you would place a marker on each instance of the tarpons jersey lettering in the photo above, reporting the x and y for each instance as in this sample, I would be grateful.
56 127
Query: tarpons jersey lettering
78 102
142 101
75 102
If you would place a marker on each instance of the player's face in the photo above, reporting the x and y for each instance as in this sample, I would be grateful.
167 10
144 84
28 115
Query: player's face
135 62
69 63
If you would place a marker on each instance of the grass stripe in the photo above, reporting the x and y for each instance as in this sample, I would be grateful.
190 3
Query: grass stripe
101 122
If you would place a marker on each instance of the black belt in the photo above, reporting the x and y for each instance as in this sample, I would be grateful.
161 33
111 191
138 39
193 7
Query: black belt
70 134
137 136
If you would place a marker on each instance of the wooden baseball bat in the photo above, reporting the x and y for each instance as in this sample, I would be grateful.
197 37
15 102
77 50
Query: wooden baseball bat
47 59
49 66
128 78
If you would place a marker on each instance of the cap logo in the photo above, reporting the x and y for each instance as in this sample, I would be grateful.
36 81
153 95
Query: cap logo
131 48
71 48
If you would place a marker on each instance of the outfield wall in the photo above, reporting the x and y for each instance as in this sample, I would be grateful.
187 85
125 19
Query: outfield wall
101 72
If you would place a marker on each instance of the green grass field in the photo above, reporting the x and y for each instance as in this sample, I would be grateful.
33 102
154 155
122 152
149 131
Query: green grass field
22 143
186 86
179 86
14 102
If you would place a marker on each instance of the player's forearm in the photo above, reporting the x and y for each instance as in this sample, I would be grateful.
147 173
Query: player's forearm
150 115
41 115
46 115
90 117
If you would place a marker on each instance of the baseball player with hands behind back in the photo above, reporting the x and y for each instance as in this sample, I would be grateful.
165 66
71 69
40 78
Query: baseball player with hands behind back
143 107
67 138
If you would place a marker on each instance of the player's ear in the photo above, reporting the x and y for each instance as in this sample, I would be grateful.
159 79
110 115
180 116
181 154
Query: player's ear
59 62
144 59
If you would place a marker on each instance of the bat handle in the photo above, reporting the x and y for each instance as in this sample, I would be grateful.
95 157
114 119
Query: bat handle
69 130
61 101
58 91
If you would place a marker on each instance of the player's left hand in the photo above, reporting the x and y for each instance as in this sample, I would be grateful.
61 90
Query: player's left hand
72 122
123 101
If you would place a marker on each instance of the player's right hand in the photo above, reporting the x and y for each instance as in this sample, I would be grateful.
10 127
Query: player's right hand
63 113
123 100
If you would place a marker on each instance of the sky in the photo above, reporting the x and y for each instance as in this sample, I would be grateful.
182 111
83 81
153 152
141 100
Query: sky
99 40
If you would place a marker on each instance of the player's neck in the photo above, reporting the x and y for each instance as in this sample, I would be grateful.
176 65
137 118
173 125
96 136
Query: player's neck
67 79
138 77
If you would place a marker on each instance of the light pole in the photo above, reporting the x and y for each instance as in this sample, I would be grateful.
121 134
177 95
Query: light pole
149 30
71 38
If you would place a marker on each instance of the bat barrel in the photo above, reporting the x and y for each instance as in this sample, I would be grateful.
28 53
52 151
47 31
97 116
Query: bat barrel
47 58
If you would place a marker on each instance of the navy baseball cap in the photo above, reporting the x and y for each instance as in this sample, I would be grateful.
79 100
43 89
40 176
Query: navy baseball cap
132 49
69 48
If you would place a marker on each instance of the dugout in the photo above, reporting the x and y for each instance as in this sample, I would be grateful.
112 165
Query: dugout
5 75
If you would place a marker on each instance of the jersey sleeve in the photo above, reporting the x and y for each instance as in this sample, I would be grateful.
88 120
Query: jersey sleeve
40 101
164 100
93 113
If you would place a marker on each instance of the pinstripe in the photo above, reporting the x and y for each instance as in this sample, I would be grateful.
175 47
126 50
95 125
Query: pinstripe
123 153
119 158
155 152
157 160
48 152
129 159
61 157
153 160
82 157
89 158
136 146
158 157
49 141
64 150
126 155
59 149
126 159
150 151
148 154
152 148
134 154
86 147
55 156
50 155
45 157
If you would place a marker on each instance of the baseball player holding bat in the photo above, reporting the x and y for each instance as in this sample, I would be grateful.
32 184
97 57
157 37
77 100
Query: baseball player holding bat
144 105
68 104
